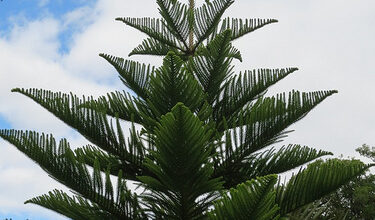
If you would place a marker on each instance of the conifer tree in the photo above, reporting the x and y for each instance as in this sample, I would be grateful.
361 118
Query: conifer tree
205 147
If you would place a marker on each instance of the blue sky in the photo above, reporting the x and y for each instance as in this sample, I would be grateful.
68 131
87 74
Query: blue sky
55 44
23 216
4 123
20 13
33 9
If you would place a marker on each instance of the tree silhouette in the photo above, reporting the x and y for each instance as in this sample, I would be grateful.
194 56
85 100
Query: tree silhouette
204 149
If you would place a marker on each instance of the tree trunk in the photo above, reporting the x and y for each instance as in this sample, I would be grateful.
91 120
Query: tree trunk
191 34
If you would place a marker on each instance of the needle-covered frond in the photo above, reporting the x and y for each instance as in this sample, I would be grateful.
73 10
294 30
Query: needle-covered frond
177 19
233 53
134 75
317 180
154 28
151 46
243 88
182 188
282 160
312 211
61 163
172 84
207 17
261 125
213 67
241 27
94 126
75 207
89 154
277 112
253 200
118 104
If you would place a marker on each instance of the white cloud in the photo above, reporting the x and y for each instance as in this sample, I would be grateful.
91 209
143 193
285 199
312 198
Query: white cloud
104 35
20 180
330 41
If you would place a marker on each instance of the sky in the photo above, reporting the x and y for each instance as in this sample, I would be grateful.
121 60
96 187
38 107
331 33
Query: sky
55 45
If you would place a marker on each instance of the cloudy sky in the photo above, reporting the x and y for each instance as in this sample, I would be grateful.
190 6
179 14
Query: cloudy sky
55 45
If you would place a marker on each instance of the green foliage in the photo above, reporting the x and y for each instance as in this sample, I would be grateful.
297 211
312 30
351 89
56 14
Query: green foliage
367 151
208 17
241 27
171 32
172 84
134 75
282 160
253 199
61 164
204 149
212 67
354 200
180 164
323 177
74 208
246 87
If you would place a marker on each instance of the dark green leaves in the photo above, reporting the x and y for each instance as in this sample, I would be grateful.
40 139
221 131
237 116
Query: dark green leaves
318 179
62 164
75 207
118 104
212 67
181 166
176 17
259 126
93 125
151 46
267 119
155 28
181 23
282 160
90 154
241 89
208 17
253 199
134 75
241 27
172 84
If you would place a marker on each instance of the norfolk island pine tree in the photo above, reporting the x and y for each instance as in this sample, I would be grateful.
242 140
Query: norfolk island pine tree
205 147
